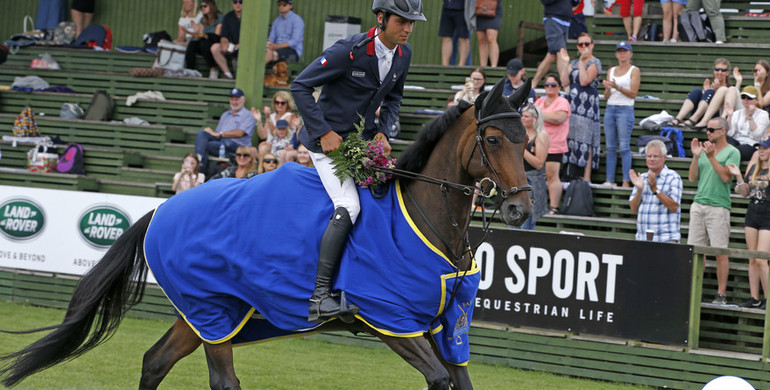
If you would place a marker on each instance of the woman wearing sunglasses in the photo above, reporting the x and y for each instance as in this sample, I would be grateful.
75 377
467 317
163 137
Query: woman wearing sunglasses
245 165
703 104
556 113
268 162
761 82
283 107
582 77
620 90
207 34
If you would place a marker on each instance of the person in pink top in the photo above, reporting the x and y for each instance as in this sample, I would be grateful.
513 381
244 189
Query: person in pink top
556 112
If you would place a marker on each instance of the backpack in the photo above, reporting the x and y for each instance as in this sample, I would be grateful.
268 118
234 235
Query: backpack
71 160
95 35
579 199
25 125
677 141
101 107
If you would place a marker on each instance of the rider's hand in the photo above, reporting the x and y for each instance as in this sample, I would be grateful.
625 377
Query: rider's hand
385 144
330 141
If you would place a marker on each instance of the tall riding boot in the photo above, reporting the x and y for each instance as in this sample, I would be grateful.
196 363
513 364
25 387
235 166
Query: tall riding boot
323 304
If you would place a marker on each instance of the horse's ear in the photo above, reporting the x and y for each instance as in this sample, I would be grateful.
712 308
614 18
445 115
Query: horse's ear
496 92
480 101
520 95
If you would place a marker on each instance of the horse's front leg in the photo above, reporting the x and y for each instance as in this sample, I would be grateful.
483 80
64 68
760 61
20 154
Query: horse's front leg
221 369
461 380
177 343
417 352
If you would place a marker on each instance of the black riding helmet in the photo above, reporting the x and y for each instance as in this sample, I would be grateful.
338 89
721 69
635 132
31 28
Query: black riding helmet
409 9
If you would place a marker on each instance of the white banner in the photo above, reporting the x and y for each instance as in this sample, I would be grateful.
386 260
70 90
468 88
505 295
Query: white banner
63 231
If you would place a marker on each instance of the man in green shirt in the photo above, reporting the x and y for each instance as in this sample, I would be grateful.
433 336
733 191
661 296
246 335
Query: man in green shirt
710 211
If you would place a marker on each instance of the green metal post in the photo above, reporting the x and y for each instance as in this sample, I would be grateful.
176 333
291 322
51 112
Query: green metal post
251 55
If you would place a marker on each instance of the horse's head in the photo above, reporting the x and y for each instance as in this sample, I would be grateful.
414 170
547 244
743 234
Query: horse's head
496 156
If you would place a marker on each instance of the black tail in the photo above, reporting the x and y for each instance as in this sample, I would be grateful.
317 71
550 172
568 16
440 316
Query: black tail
100 300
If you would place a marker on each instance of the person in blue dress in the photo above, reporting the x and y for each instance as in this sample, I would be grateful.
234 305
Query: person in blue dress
584 135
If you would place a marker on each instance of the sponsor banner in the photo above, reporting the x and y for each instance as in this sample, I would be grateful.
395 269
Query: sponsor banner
609 287
63 231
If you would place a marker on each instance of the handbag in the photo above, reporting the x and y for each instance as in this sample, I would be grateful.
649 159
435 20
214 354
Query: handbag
25 125
486 8
39 159
170 56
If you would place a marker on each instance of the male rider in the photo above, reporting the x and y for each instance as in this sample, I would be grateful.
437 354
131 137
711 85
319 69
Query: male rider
358 74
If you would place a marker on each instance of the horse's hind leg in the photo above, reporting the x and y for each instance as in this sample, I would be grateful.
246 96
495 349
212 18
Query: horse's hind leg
417 352
177 343
221 369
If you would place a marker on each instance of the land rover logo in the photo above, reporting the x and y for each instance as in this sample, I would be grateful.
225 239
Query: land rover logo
21 219
102 225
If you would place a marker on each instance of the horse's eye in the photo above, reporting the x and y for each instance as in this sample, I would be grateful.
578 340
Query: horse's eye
493 140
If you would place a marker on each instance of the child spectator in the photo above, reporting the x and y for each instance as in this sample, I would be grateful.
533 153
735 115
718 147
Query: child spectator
189 176
283 146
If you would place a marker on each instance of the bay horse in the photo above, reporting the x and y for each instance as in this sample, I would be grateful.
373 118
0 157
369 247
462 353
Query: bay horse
483 143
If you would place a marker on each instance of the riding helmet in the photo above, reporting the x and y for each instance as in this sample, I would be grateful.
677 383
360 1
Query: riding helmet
409 9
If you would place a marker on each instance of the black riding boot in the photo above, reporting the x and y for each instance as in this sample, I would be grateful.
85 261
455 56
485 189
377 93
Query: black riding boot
323 304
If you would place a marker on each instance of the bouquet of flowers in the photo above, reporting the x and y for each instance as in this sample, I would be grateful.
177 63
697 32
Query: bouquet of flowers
360 160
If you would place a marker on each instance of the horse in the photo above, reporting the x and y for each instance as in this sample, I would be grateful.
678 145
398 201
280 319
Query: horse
469 144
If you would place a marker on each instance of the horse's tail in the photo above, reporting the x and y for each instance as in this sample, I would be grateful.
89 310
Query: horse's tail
101 298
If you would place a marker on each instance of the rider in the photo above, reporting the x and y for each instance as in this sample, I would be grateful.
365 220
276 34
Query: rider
358 74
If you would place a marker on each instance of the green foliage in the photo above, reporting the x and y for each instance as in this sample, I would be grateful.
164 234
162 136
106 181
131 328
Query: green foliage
298 363
358 159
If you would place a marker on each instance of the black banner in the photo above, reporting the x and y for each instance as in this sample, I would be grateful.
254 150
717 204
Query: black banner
610 287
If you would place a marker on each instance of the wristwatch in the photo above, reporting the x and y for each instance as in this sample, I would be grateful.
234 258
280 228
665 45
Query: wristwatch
656 192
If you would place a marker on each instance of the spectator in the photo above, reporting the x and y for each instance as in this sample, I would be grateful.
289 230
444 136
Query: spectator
303 157
710 210
761 81
556 112
754 186
245 166
286 35
556 22
234 129
584 123
282 145
82 12
486 34
632 26
749 125
473 87
453 21
229 38
283 103
189 21
712 8
716 95
207 33
671 11
267 162
516 78
657 196
535 155
189 176
620 90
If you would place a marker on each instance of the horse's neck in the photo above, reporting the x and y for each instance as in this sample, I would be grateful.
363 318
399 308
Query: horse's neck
447 213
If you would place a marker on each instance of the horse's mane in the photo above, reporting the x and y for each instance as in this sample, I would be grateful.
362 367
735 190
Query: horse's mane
416 156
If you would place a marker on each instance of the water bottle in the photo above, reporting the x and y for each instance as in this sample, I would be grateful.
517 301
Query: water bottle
221 150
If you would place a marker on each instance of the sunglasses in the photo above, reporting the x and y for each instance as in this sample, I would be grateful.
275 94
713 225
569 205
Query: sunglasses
237 1
743 97
720 69
204 5
278 102
242 155
551 85
271 161
712 129
583 44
